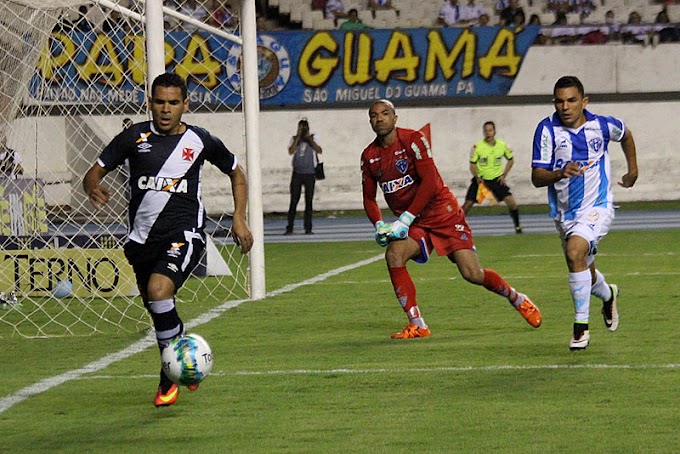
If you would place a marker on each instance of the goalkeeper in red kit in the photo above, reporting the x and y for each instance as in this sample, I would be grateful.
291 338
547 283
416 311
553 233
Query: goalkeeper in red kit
399 161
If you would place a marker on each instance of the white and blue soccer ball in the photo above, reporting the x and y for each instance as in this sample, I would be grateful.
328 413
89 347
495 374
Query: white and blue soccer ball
62 289
187 360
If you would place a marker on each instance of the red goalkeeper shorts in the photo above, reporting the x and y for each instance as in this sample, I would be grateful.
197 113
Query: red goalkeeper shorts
443 232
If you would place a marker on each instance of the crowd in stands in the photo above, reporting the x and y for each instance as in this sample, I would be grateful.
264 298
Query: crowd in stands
562 21
644 22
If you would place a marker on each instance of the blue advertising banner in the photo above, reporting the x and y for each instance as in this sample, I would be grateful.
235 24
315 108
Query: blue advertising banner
299 68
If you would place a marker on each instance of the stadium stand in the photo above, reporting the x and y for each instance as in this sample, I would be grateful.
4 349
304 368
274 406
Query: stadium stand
297 14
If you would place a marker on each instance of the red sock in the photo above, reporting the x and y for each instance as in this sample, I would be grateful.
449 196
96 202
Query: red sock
405 290
495 283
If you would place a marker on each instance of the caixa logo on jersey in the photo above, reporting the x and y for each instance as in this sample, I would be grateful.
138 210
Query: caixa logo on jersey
388 187
163 184
273 66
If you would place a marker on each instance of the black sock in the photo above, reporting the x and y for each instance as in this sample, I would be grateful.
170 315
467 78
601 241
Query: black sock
580 328
514 214
164 383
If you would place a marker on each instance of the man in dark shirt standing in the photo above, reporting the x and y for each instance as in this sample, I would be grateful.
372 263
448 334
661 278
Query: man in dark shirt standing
303 148
166 214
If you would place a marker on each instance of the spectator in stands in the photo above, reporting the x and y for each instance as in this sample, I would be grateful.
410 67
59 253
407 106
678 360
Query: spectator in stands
376 5
262 8
541 39
592 34
335 10
261 22
635 32
127 122
80 24
10 161
484 20
319 5
560 20
353 22
583 7
664 32
508 14
470 12
613 25
83 24
561 33
449 14
170 23
114 23
220 15
195 11
518 20
500 6
560 6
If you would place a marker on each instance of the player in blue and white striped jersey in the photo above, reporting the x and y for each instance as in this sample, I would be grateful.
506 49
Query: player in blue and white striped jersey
571 158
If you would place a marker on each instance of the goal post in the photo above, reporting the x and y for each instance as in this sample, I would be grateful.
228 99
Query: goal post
70 72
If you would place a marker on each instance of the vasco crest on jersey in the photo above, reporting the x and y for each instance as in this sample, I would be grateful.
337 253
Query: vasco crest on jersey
188 154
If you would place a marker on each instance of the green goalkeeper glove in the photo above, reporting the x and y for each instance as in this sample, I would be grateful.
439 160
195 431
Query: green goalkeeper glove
381 231
399 228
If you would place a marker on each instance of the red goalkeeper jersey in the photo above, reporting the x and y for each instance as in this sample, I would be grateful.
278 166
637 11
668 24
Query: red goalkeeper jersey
408 178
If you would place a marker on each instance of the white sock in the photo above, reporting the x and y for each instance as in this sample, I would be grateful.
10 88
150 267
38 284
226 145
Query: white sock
415 317
580 286
600 288
518 298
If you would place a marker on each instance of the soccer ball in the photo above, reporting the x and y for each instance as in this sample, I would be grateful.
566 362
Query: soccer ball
187 360
62 289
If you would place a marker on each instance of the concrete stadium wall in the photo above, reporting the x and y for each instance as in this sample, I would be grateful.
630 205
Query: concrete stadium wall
344 133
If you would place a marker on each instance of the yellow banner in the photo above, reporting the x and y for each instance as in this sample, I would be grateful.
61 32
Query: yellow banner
93 272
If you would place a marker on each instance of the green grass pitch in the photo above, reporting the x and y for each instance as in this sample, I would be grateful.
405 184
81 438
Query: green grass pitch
312 368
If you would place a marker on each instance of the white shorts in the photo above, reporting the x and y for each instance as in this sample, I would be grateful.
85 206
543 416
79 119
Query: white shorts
592 226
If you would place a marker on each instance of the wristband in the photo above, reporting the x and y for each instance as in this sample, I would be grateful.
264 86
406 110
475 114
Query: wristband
406 218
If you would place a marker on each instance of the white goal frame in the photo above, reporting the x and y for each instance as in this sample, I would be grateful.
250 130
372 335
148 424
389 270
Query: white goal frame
153 19
71 70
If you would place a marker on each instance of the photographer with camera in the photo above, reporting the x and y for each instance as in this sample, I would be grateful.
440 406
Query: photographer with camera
304 149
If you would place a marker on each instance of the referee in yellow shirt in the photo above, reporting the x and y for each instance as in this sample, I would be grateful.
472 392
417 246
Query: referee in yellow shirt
486 166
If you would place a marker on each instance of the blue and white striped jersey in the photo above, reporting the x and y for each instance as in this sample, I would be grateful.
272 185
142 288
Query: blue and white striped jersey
165 177
555 145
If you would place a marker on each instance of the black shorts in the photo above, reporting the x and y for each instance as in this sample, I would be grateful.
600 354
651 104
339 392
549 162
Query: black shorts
498 190
174 257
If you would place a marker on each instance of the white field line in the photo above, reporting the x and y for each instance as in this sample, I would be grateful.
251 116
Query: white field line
46 384
509 277
419 370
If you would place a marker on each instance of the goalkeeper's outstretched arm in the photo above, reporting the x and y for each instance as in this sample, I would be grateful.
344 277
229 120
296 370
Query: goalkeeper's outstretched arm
98 195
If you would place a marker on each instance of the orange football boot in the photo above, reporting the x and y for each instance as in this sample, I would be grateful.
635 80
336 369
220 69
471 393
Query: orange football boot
530 312
163 399
411 331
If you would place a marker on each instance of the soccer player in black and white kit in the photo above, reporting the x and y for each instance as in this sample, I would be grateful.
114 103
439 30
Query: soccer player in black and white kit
166 213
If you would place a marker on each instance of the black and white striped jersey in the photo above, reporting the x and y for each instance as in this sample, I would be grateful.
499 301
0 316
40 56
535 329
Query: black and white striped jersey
165 177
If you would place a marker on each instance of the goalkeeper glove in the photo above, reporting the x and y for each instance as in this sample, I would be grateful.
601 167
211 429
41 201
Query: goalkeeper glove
399 228
381 231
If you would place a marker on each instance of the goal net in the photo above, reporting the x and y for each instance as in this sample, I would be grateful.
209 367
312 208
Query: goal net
71 73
